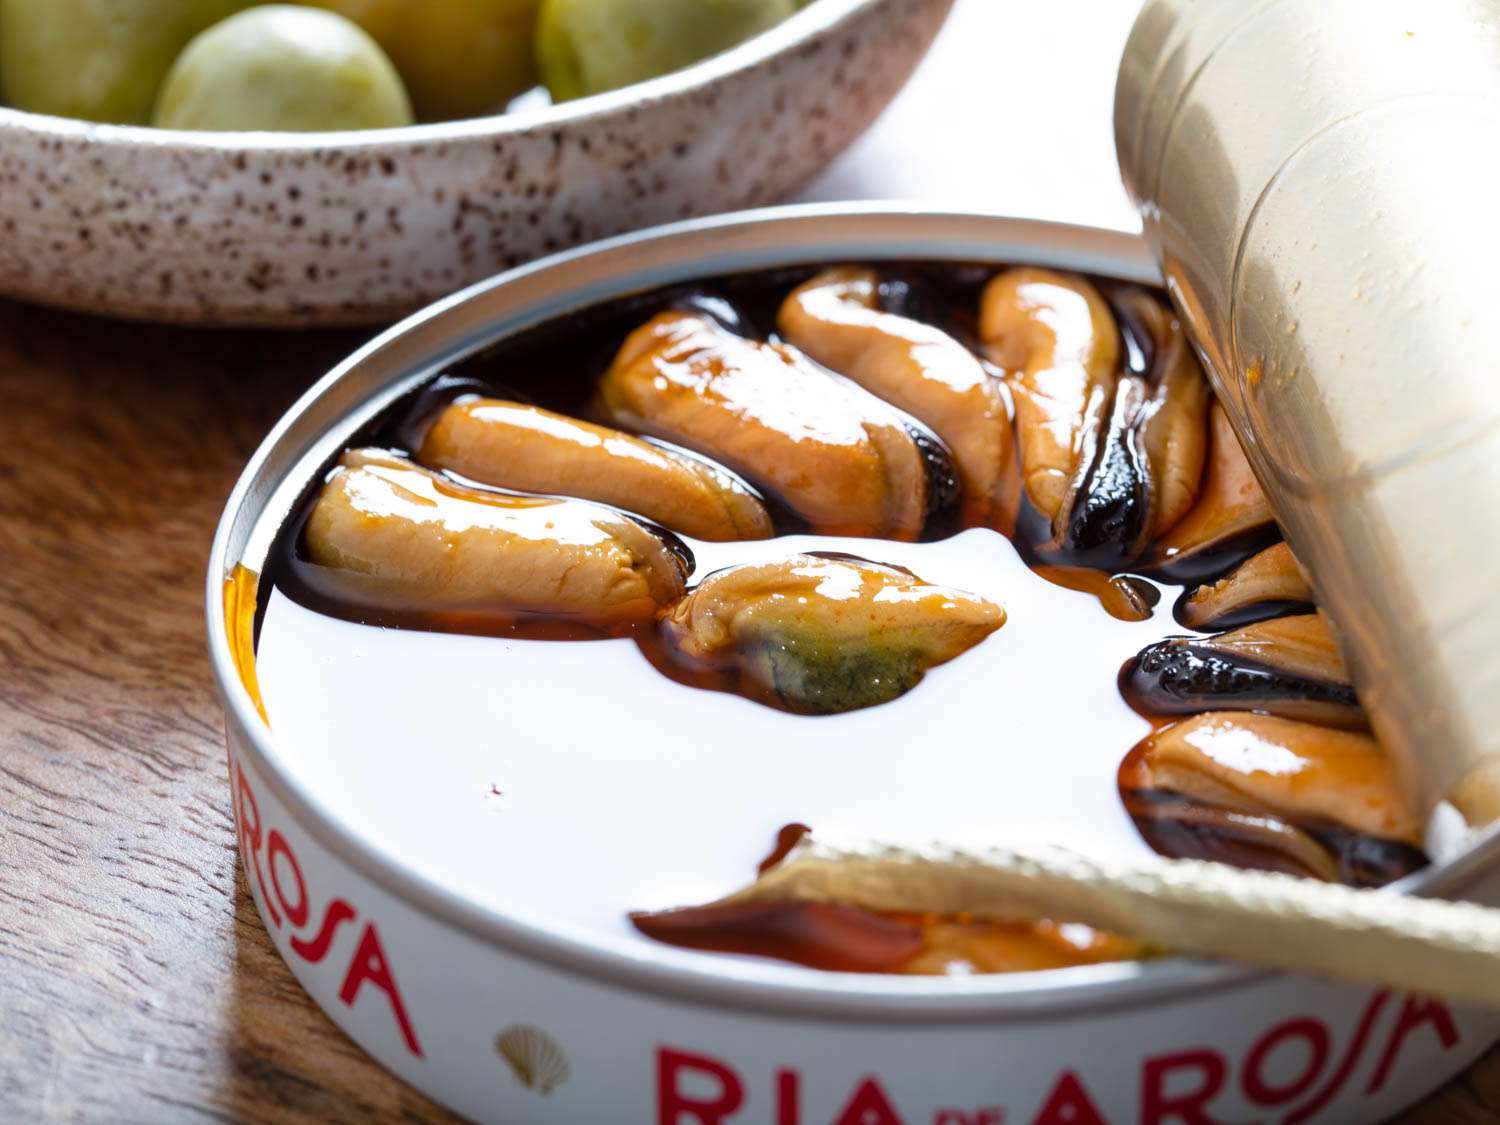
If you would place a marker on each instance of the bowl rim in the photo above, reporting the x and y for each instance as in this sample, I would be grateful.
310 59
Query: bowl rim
809 23
659 968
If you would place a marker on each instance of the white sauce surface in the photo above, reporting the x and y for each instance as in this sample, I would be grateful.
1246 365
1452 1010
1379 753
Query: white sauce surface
568 783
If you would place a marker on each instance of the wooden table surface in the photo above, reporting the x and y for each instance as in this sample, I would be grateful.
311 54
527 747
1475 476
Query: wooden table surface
136 981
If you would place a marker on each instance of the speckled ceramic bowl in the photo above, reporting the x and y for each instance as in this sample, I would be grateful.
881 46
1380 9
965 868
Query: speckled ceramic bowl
295 229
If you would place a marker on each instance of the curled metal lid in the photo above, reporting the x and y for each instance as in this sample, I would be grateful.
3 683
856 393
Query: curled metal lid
1320 180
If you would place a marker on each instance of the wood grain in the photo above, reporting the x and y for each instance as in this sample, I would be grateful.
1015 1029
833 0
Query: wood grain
136 981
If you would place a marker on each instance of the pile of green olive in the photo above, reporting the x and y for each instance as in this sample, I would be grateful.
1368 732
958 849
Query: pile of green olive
345 64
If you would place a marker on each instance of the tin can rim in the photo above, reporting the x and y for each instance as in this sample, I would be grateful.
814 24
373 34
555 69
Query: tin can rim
459 325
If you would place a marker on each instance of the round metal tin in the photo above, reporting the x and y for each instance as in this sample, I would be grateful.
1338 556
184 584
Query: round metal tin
503 1020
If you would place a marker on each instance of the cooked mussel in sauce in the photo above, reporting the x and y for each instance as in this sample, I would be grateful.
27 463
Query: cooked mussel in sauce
838 457
837 319
899 403
1174 409
1273 767
1268 584
519 446
1110 415
1054 337
1287 666
1230 521
1262 791
821 635
384 533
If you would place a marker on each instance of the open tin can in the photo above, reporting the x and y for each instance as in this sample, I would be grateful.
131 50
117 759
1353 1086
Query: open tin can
502 1019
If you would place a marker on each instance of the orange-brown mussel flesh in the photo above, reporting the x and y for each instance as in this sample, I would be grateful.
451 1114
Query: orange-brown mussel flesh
837 319
1173 419
819 634
1054 337
843 939
387 537
1268 584
1261 791
835 455
1230 521
515 445
1112 443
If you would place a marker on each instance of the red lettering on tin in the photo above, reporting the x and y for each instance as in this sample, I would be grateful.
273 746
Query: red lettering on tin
674 1105
337 914
1346 1065
1068 1104
250 841
1415 1012
370 965
869 1106
788 1097
1187 1106
1259 1089
276 845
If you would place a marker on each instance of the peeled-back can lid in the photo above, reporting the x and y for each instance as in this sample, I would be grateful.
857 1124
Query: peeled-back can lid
1320 181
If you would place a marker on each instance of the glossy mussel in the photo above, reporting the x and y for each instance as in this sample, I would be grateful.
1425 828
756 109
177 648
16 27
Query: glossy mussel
1265 792
836 457
1111 417
1288 666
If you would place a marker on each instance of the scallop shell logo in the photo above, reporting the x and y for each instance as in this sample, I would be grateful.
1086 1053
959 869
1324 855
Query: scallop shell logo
538 1062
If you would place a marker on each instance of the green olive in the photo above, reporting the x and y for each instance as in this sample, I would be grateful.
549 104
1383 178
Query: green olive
283 67
588 46
459 58
100 60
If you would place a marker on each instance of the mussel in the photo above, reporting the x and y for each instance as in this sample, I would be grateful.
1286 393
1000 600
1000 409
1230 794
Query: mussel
820 936
838 457
819 635
1108 514
1112 446
1173 420
849 940
843 939
1054 337
837 319
389 536
1276 794
1288 666
514 445
1269 584
1230 521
